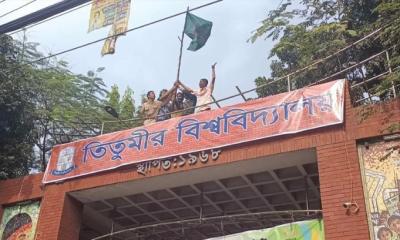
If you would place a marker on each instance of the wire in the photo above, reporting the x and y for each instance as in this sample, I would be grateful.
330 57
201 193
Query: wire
51 18
26 4
2 1
122 33
196 8
61 14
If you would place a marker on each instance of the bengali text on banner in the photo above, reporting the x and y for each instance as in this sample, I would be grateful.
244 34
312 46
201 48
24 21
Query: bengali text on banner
286 113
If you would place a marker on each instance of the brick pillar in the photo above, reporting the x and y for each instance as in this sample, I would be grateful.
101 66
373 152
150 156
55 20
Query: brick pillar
71 219
60 215
337 169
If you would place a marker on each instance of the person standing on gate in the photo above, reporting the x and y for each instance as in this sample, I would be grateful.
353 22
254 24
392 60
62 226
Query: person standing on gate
204 93
164 112
189 102
151 107
177 105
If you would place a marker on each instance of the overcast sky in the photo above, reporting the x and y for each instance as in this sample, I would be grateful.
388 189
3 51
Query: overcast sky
146 59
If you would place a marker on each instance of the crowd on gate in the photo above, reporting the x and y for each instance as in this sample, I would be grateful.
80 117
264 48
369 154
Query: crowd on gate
178 101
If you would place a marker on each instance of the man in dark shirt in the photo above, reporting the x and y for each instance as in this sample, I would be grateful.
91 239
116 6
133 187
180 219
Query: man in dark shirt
189 102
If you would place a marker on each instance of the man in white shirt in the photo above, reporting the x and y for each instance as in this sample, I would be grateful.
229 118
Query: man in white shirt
204 93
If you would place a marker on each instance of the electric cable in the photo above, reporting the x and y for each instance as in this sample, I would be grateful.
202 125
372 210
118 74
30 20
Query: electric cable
18 8
50 18
122 33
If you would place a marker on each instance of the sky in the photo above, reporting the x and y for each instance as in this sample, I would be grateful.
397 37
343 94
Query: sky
147 59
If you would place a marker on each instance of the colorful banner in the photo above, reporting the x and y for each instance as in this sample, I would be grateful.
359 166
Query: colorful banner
286 113
121 17
380 163
19 222
109 12
304 230
109 43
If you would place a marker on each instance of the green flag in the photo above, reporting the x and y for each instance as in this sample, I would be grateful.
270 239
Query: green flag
198 30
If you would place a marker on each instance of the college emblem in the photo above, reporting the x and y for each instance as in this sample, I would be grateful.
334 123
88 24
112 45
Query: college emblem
65 161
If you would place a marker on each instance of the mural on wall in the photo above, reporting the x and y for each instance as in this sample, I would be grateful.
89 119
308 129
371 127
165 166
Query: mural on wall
19 222
381 170
304 230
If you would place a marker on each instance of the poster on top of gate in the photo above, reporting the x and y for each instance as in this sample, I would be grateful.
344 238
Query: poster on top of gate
302 230
287 113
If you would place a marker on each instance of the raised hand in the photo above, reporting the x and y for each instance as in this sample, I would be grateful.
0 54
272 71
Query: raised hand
176 84
213 66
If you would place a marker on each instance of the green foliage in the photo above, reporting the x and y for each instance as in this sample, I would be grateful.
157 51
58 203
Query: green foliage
127 105
274 23
129 117
315 29
319 28
44 103
114 97
16 114
34 99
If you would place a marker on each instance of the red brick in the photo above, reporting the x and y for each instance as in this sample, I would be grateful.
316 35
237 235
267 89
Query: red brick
337 158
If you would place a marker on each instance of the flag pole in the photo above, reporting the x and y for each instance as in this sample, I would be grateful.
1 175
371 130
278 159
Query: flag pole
180 51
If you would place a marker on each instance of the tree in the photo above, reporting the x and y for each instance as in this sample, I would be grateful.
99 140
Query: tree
128 116
319 28
66 102
42 104
16 114
113 98
127 105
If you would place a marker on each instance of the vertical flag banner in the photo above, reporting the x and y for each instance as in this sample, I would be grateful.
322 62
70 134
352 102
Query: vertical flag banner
121 17
102 14
110 12
198 29
109 43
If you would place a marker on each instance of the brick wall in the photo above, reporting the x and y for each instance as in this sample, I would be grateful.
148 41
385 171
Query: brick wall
60 215
340 181
21 189
337 161
71 223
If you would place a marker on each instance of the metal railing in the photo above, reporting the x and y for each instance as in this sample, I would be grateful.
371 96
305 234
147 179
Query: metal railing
362 84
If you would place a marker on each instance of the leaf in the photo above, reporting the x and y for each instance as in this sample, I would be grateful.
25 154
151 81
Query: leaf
352 33
100 69
90 74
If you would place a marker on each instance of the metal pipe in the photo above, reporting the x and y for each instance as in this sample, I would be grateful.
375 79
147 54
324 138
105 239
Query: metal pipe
102 128
390 71
215 101
306 186
197 220
241 94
